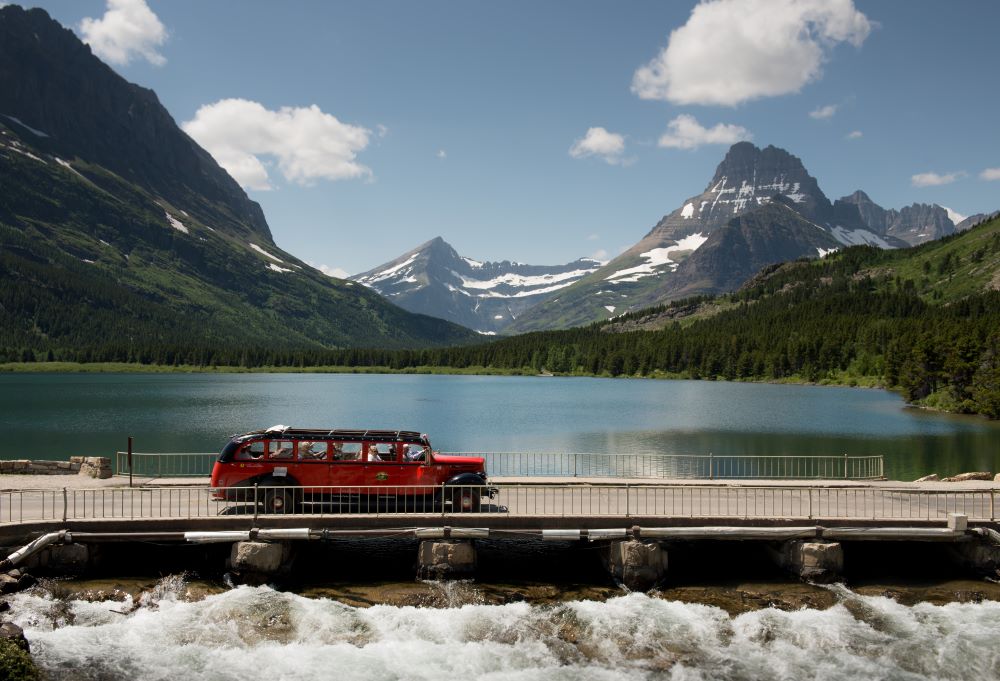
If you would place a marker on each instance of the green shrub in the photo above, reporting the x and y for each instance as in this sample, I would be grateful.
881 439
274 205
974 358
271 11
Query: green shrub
15 664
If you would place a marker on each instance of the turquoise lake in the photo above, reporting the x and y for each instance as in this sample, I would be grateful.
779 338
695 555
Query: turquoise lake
57 415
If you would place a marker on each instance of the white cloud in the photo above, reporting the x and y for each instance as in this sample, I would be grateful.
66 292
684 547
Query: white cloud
599 254
381 130
441 153
593 237
954 215
308 144
599 142
934 179
330 271
824 112
854 135
990 174
128 29
685 132
733 51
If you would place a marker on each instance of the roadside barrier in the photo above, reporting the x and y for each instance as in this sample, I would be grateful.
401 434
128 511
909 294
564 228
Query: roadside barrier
702 501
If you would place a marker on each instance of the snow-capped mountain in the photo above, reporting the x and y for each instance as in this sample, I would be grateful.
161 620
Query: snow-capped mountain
434 279
914 224
662 267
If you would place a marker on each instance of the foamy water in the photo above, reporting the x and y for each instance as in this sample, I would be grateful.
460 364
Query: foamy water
258 633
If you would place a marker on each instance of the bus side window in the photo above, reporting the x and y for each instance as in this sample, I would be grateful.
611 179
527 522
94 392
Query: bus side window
312 451
381 451
350 451
281 449
250 451
415 453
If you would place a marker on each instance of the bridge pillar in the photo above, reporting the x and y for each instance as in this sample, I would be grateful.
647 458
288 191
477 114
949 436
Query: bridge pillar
446 558
256 562
814 561
980 556
636 564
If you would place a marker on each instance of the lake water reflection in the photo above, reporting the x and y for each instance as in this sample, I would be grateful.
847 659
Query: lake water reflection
57 415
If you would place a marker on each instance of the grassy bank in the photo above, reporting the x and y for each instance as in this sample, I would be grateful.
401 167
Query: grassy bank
845 379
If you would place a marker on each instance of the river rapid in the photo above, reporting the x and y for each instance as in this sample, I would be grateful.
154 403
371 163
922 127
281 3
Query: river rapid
248 633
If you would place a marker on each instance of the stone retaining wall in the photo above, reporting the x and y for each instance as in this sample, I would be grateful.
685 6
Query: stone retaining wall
92 466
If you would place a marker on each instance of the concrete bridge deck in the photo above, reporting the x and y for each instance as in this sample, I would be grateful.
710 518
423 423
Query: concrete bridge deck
636 521
552 503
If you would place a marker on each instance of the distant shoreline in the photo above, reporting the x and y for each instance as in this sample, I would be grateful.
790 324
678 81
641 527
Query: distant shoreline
133 368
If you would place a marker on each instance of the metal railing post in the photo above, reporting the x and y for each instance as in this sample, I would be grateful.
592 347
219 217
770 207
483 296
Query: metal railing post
845 466
255 503
65 504
711 466
129 460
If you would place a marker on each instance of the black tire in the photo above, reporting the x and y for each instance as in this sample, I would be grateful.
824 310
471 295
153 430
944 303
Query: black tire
279 502
465 500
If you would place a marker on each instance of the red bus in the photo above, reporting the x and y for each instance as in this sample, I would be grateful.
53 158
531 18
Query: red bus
292 466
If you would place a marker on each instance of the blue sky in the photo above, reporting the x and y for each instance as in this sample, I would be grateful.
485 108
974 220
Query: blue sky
366 128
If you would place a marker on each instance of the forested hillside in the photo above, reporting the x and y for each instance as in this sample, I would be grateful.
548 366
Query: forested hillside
924 320
122 239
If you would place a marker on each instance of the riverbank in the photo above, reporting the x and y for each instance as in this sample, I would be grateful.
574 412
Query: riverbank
733 597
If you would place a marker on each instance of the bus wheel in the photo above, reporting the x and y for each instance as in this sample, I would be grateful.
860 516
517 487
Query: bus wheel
465 500
278 501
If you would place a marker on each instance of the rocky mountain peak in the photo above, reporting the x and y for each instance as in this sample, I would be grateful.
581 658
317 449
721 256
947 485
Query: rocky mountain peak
913 224
747 165
747 178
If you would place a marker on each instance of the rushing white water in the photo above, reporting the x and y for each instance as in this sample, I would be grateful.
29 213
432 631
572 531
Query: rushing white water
258 633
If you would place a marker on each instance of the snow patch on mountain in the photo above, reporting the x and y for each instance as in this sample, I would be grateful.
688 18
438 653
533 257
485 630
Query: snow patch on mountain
524 281
750 194
175 223
687 211
265 253
271 266
858 237
658 257
387 273
67 166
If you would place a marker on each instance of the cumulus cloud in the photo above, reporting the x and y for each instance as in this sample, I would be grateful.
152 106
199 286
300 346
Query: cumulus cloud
307 143
381 130
990 174
128 29
824 112
599 142
934 179
854 135
685 132
441 153
733 51
330 271
600 254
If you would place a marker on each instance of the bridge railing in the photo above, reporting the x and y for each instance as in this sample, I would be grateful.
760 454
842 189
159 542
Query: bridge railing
509 501
693 466
581 465
165 464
